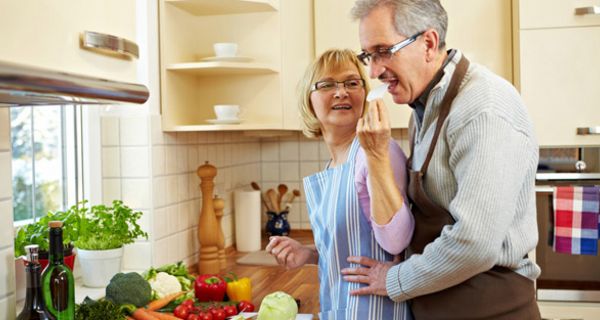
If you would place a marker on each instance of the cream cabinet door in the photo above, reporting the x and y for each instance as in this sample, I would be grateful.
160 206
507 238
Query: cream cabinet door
569 310
46 34
557 13
481 29
559 76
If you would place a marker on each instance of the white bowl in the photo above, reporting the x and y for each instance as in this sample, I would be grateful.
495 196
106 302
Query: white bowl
227 111
225 49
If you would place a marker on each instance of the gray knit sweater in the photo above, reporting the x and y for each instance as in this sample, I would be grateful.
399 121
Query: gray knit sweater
482 172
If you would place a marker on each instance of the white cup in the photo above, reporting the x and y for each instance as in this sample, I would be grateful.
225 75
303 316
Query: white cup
227 111
225 49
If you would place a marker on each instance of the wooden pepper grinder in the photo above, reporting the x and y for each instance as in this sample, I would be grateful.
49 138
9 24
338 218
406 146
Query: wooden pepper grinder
219 205
208 262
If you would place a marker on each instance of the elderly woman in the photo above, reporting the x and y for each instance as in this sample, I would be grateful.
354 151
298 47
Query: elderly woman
349 215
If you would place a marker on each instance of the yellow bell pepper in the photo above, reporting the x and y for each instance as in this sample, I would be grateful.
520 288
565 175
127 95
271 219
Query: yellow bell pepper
239 289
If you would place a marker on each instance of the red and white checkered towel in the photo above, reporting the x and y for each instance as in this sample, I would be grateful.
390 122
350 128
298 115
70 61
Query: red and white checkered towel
576 221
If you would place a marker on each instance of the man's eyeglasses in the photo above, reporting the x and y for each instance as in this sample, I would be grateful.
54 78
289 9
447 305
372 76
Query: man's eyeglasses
386 53
330 85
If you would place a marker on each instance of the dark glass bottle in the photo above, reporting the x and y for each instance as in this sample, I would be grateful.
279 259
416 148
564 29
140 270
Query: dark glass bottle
58 283
34 308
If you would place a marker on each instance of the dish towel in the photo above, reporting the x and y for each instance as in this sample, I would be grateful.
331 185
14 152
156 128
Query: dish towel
576 219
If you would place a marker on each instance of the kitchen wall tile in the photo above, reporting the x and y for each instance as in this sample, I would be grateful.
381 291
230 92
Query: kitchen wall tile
182 245
289 171
7 306
110 131
146 224
211 155
159 187
193 185
159 229
160 254
136 193
172 190
170 159
269 151
227 226
134 131
172 219
202 154
289 151
220 161
304 214
202 137
309 150
157 135
182 187
158 160
5 175
294 214
6 219
135 162
174 253
323 151
270 171
7 271
183 215
137 256
4 129
111 190
182 158
308 168
192 162
170 138
111 164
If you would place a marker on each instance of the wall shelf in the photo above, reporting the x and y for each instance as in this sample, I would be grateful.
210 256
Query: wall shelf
221 68
219 7
227 127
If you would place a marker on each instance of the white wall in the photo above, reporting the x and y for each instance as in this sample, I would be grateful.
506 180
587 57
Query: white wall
7 264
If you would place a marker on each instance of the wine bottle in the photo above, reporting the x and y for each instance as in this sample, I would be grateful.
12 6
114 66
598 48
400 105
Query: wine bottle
34 308
58 283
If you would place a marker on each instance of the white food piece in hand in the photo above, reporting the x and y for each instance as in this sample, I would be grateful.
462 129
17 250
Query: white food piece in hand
377 93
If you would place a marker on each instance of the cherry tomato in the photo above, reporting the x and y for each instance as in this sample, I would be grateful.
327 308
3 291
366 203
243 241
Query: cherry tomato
188 302
230 310
193 316
182 311
205 316
245 306
218 314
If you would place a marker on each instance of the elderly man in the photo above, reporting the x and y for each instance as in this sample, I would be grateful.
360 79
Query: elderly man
472 171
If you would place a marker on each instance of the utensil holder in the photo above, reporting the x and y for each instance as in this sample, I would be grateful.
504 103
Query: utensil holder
278 224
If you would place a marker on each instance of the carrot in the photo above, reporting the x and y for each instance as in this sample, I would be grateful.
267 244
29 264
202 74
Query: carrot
129 318
163 316
160 303
143 314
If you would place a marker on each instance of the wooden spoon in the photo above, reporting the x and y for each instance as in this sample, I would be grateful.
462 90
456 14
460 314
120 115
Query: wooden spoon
288 203
272 196
282 189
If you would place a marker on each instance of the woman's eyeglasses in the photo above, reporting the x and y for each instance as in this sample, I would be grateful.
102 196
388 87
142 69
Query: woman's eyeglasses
330 85
386 53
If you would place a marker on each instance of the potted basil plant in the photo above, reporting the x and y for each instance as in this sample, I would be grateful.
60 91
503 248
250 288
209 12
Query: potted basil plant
103 231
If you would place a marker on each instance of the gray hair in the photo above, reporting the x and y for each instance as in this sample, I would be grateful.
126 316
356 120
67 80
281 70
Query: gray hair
410 16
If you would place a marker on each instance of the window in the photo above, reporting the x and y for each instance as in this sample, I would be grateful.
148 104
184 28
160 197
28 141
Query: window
46 159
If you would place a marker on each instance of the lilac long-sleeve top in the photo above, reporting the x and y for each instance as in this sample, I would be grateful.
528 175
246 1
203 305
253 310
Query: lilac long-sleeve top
394 236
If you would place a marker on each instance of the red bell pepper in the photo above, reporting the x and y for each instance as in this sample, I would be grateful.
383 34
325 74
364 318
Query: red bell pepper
210 287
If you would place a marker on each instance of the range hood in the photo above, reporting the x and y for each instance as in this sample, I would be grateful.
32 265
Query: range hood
22 85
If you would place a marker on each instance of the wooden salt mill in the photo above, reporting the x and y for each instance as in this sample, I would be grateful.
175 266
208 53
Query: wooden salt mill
208 262
219 205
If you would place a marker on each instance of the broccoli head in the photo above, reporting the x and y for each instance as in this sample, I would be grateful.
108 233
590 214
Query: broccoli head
129 288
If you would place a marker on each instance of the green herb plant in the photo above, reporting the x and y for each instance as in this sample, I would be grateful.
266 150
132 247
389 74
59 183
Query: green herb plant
102 227
37 232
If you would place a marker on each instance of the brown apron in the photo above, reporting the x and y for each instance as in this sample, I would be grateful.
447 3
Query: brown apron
498 293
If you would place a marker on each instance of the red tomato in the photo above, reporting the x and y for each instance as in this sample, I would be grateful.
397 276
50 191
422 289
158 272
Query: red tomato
193 316
205 316
182 311
218 314
230 310
245 306
188 302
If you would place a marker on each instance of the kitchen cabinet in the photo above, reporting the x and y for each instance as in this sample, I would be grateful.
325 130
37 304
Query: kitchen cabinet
569 310
557 68
47 34
275 36
481 29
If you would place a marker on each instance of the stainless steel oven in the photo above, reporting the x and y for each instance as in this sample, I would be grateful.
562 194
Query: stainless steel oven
564 277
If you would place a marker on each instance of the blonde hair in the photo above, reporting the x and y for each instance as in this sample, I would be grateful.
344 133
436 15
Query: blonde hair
330 61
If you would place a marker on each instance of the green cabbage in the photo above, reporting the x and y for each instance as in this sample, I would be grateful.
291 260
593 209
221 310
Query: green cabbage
278 306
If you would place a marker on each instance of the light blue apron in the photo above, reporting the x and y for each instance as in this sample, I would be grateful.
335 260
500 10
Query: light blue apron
340 230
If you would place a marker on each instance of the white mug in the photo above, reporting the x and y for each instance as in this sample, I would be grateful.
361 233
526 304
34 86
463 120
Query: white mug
227 111
225 49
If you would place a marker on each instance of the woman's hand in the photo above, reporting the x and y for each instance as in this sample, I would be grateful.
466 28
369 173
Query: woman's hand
373 129
289 252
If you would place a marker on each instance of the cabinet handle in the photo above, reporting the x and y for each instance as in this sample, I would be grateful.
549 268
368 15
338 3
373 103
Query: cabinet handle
588 130
587 10
109 45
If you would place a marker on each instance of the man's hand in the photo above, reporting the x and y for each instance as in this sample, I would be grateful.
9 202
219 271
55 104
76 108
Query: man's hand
372 272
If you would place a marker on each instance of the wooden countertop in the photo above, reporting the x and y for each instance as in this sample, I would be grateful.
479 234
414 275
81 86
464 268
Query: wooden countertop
302 283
